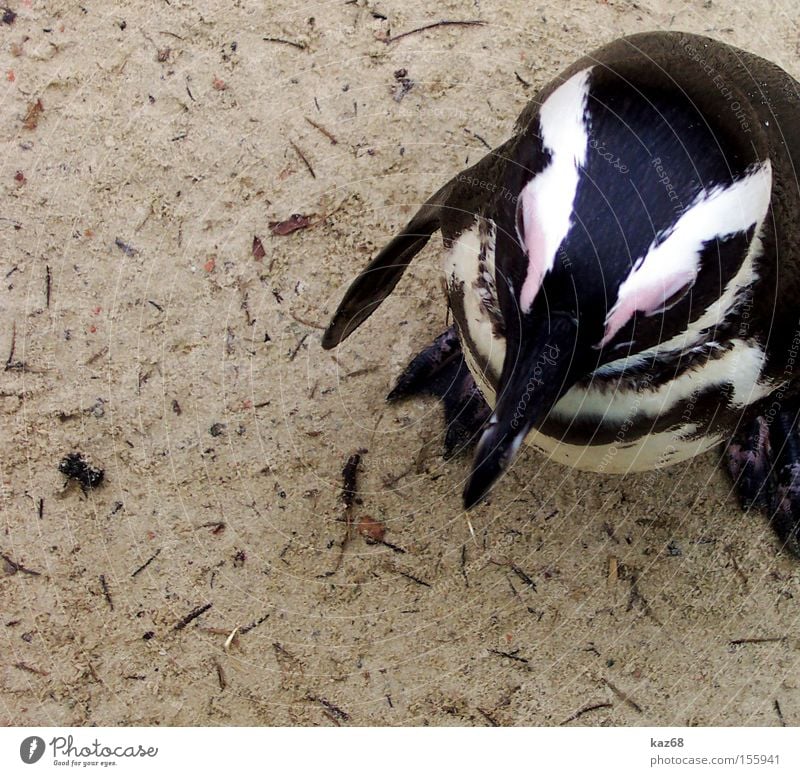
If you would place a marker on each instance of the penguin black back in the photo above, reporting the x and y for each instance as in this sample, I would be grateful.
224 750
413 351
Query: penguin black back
647 256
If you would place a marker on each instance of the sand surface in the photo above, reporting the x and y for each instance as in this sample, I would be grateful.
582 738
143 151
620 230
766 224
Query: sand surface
143 330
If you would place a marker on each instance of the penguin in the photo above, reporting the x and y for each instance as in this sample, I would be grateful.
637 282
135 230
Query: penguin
623 275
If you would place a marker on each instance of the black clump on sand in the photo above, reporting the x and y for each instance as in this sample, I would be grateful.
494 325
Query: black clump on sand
74 467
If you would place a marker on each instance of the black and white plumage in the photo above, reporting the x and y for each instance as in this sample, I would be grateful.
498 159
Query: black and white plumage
624 274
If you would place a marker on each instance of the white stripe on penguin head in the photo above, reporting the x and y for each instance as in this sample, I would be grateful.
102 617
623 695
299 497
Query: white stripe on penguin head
672 264
547 200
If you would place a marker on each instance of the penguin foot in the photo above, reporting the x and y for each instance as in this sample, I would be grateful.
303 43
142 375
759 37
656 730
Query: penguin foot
440 371
764 462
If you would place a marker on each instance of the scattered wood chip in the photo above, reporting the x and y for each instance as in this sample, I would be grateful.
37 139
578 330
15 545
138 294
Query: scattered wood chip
613 570
371 529
258 249
32 115
231 638
295 222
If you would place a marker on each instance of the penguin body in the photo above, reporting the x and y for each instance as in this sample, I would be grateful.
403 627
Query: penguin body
624 271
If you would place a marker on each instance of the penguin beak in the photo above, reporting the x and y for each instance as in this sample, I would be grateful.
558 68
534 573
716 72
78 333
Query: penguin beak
530 386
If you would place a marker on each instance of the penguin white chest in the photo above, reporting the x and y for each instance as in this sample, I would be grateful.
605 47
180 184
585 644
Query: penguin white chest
607 401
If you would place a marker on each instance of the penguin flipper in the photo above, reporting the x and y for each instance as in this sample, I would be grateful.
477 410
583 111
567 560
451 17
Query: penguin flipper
379 278
440 371
453 205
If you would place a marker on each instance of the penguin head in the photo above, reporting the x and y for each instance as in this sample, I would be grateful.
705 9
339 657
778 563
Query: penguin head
625 226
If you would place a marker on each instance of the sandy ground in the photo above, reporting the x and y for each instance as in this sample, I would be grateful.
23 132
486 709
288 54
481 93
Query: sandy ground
142 330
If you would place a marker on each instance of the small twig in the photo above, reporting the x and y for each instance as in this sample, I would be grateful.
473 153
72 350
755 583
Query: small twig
299 345
779 713
30 669
156 305
100 353
306 322
488 717
521 79
586 710
106 591
282 652
332 708
303 157
772 640
41 508
220 675
15 567
322 129
193 615
509 655
48 281
443 23
146 563
216 526
622 696
254 624
477 137
392 547
296 45
523 576
10 360
414 579
736 567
